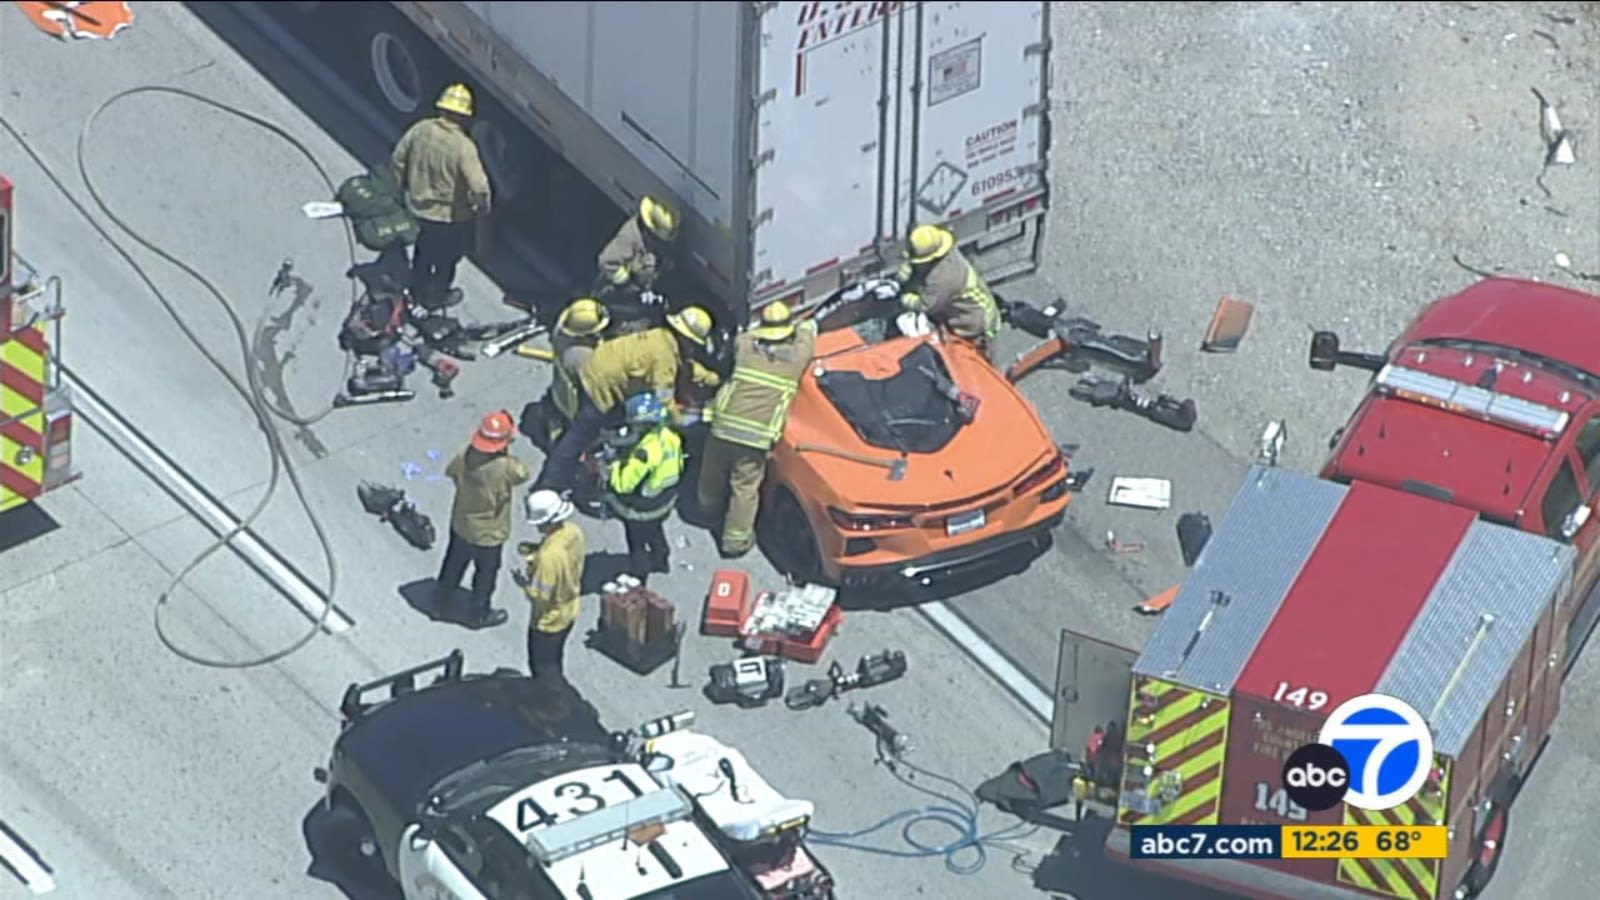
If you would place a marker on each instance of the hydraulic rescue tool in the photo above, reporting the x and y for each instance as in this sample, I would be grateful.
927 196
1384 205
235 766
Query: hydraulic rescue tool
749 682
390 505
871 671
892 742
1118 393
1075 343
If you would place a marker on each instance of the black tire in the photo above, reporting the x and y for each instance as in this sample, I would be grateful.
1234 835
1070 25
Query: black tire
787 539
399 69
352 843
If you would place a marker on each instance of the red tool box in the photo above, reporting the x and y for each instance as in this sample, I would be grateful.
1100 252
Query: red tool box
728 603
806 650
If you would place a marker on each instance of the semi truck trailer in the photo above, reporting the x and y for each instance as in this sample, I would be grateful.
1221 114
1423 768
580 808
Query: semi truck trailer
801 141
1447 554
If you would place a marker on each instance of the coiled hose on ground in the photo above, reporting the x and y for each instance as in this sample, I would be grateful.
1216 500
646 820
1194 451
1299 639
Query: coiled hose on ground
250 390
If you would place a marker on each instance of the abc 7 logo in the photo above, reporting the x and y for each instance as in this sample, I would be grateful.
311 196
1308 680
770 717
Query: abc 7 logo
1392 755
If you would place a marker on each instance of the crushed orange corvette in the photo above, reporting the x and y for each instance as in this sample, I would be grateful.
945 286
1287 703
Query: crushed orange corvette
879 477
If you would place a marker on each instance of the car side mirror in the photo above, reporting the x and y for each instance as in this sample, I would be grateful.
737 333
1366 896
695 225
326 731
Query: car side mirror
1324 355
1575 520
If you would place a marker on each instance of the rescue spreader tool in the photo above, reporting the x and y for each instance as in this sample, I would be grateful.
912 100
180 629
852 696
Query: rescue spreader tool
1075 344
871 671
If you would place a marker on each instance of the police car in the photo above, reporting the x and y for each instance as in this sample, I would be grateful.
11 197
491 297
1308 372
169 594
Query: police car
503 787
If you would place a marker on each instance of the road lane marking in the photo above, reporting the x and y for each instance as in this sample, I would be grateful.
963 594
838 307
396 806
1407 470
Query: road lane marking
256 553
16 855
989 658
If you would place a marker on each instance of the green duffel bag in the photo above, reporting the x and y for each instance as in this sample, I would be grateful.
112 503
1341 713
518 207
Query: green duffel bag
378 233
369 196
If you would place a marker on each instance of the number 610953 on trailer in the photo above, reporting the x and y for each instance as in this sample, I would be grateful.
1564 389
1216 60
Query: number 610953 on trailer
503 787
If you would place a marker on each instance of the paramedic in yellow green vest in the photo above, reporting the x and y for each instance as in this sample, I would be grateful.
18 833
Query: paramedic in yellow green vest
937 281
642 487
747 418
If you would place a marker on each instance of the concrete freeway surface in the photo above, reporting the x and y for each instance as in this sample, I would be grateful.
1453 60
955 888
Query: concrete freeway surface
1334 159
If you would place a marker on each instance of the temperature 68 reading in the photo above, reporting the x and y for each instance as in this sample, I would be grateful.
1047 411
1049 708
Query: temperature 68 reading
1365 842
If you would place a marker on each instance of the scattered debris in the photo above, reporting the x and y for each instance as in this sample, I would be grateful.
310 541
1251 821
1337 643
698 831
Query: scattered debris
1563 261
99 21
1078 479
1143 493
1481 273
1561 18
1120 547
1158 603
1228 324
1549 37
322 209
1557 141
1194 532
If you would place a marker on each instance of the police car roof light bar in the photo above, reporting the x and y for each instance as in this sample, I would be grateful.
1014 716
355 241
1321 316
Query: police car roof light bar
574 836
1435 390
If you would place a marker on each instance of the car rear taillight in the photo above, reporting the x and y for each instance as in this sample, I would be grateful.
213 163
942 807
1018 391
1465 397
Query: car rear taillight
1052 469
853 522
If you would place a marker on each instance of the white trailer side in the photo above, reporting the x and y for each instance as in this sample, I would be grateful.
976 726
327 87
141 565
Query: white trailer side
802 140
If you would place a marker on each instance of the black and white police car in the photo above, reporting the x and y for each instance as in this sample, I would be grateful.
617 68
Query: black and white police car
503 787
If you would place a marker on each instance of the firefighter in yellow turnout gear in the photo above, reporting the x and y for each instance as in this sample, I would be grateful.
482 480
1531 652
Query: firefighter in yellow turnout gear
937 281
577 334
747 418
619 368
642 486
631 261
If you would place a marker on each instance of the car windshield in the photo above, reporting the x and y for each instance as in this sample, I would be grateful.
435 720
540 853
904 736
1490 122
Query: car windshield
726 885
905 412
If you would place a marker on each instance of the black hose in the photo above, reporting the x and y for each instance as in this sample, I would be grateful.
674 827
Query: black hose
251 391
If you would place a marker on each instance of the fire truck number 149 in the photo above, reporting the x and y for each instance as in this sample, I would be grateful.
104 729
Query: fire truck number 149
1302 696
1277 801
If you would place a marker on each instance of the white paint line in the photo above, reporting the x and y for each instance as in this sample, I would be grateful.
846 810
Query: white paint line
992 660
189 492
35 875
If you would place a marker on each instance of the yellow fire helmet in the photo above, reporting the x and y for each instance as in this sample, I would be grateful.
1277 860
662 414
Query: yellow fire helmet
659 218
929 243
583 317
693 323
455 98
776 322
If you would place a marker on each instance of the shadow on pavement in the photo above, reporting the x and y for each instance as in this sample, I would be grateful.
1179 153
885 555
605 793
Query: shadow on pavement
600 567
23 524
327 866
419 595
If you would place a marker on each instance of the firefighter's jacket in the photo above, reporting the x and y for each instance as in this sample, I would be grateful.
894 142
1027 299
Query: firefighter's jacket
954 297
752 407
438 167
555 578
571 355
642 361
643 485
627 258
486 484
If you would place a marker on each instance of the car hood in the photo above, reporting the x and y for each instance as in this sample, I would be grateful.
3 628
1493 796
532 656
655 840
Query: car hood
1005 441
407 745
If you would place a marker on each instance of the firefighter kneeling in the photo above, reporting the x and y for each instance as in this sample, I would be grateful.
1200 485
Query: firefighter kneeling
937 281
747 418
577 334
642 486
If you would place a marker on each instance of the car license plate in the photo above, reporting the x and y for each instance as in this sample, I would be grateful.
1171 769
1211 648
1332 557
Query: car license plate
968 521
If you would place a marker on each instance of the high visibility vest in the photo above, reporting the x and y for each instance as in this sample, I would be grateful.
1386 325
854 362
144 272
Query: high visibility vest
642 485
751 408
978 292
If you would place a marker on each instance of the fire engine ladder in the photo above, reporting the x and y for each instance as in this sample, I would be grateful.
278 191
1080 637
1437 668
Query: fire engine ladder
37 304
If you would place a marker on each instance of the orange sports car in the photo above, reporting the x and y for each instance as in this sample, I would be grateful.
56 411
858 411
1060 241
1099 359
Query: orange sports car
906 459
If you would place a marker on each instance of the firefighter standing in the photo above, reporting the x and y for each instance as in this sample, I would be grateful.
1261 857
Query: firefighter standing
937 281
577 334
486 477
619 368
747 418
642 487
437 165
552 580
633 258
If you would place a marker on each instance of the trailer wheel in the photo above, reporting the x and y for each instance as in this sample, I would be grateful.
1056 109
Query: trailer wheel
400 68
